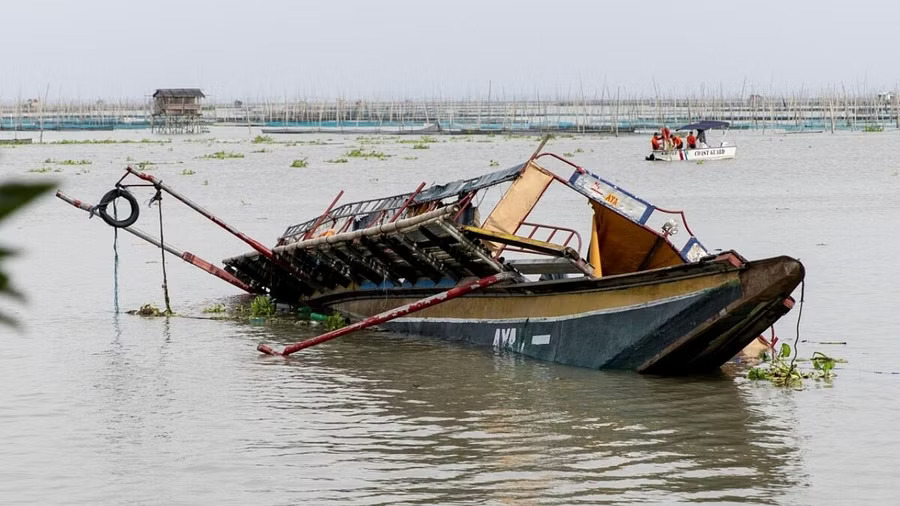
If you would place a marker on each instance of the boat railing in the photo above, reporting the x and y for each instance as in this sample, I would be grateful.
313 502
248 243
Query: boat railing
679 213
372 212
342 217
545 233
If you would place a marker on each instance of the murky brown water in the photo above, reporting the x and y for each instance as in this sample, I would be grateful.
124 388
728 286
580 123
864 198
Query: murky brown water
103 408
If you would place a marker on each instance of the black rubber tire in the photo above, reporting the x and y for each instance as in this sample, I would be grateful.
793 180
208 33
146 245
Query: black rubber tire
113 195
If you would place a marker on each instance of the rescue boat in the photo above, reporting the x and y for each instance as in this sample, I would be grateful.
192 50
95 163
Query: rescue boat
703 151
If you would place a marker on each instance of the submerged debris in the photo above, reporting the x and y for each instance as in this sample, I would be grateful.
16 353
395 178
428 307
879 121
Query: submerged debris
150 310
783 372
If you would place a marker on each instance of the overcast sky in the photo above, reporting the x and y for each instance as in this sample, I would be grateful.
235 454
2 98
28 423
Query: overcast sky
392 48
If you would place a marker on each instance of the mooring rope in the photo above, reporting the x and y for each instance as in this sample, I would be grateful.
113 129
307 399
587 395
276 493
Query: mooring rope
799 315
115 262
162 250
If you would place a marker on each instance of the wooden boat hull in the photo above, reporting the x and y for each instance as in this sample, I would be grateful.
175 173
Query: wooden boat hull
678 320
690 155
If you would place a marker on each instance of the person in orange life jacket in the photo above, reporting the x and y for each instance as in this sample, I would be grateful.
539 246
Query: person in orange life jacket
655 141
691 140
667 138
676 141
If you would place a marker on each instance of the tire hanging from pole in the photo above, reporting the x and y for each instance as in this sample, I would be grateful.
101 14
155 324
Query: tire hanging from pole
109 197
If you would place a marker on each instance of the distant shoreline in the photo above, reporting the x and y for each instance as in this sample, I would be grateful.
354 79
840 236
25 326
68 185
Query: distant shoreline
876 113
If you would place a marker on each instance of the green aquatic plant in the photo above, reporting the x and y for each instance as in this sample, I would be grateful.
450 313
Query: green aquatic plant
494 163
873 128
300 164
187 172
145 165
263 150
215 308
425 139
410 157
263 139
222 155
112 141
579 150
569 154
360 153
43 170
68 162
420 146
150 310
783 372
334 321
337 160
262 305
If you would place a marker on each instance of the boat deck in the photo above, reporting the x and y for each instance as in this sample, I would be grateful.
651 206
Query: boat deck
427 249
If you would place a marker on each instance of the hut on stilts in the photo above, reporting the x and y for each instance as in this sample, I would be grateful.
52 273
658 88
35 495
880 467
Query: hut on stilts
177 111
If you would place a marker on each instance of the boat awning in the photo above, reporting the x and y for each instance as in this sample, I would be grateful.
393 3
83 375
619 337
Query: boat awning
705 125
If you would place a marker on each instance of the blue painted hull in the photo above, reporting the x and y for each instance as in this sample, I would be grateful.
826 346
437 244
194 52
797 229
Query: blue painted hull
690 330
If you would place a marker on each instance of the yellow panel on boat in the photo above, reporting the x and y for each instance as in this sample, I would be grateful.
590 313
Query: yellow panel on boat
627 247
518 201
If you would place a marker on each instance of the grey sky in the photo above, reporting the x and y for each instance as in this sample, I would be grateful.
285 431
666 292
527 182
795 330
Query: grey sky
393 48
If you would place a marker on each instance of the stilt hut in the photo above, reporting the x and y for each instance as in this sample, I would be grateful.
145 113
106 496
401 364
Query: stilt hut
177 111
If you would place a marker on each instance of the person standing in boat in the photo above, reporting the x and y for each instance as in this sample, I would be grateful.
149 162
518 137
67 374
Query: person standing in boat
656 141
701 138
691 140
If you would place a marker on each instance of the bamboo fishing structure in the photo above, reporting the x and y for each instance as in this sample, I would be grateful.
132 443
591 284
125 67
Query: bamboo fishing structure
610 113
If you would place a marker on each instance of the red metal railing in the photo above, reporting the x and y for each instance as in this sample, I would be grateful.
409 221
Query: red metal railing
551 230
679 213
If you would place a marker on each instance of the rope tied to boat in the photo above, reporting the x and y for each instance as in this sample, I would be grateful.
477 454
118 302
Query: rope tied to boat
115 261
799 315
162 251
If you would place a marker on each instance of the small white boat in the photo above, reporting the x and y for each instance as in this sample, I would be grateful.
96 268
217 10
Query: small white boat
723 151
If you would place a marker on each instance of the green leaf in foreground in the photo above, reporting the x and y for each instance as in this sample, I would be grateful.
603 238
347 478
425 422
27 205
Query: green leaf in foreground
13 196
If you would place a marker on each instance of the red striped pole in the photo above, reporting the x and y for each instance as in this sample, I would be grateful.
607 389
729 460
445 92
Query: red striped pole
184 255
258 246
390 314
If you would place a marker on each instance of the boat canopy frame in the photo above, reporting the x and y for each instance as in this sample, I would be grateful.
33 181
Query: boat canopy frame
705 125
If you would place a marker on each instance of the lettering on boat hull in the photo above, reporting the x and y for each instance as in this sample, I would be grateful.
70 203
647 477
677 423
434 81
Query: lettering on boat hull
509 339
505 339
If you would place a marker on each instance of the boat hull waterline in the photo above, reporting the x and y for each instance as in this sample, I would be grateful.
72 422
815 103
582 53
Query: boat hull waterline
691 155
677 320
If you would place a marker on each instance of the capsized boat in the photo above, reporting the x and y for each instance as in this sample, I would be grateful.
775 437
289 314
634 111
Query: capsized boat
703 151
639 295
639 299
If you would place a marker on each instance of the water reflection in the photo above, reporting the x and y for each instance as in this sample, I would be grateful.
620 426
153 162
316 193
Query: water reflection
134 400
387 417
